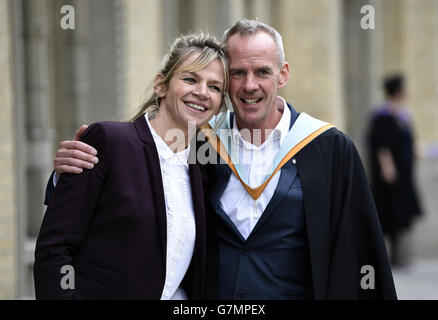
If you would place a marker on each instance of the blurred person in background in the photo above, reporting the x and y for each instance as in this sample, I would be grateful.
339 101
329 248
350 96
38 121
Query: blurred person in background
392 158
133 225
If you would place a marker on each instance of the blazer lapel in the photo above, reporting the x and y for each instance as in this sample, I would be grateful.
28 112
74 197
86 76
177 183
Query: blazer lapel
223 173
287 177
153 164
200 242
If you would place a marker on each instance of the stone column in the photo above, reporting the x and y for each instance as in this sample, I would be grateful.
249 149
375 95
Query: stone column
101 45
360 57
216 16
237 9
393 38
64 110
311 33
8 212
82 39
143 50
261 10
170 21
420 63
39 92
409 44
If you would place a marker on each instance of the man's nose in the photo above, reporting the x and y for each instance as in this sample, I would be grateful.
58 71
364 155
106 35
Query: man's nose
250 84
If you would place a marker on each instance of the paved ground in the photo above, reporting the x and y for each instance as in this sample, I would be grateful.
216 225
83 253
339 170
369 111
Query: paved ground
420 279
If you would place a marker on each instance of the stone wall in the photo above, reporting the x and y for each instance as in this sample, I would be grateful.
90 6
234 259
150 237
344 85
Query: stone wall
8 212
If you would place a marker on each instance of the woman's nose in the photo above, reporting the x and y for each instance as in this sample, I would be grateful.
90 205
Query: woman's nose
201 91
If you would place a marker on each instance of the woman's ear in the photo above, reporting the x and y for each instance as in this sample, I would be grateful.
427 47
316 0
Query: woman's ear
159 86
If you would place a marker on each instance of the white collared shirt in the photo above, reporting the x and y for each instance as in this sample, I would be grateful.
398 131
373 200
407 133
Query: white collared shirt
181 227
255 162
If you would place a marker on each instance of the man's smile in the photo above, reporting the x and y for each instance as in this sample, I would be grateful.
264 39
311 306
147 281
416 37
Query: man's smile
250 100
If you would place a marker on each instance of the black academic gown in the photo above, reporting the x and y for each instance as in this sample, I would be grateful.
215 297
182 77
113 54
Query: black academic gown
398 203
344 232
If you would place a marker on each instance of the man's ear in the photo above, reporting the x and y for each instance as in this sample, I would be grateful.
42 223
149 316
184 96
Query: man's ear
284 75
159 87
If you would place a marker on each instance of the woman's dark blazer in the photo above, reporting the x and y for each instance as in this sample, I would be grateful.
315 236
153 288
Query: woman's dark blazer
109 223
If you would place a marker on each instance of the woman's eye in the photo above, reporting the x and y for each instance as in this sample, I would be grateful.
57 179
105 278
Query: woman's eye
216 88
189 80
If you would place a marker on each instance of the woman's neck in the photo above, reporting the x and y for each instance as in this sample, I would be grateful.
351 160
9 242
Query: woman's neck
174 135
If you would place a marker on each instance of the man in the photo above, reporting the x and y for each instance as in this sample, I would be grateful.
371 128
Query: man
291 215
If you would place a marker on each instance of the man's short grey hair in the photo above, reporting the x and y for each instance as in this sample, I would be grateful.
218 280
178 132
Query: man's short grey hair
250 27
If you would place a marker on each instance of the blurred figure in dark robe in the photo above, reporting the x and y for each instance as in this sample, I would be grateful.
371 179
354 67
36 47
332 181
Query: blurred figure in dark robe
392 158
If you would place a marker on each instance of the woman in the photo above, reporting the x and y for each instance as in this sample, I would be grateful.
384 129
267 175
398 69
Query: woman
133 227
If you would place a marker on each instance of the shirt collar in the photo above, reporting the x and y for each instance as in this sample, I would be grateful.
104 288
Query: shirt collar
279 132
163 149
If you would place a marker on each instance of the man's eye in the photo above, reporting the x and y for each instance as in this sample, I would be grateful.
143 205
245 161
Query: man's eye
263 72
236 73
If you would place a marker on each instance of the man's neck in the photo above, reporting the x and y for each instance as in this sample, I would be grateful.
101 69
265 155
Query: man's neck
258 133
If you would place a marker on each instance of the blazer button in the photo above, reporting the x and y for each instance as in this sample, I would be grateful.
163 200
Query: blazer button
245 251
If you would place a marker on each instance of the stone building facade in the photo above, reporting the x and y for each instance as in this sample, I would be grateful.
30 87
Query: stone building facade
53 80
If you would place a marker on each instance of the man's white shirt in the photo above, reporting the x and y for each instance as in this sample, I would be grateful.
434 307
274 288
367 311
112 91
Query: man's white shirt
255 163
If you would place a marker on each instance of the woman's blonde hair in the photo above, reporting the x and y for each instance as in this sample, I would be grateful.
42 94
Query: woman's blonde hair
209 49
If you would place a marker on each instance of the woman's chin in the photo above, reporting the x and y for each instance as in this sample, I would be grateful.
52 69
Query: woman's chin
198 120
